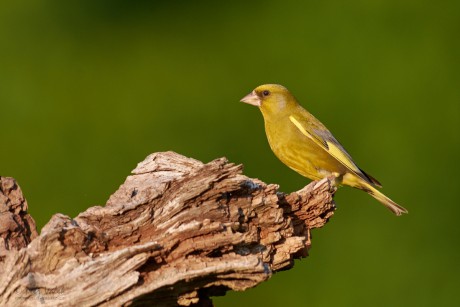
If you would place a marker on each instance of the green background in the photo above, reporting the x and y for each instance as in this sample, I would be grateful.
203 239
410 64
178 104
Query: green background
89 88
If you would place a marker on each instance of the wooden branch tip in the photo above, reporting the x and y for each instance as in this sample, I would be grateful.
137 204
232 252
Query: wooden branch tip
175 233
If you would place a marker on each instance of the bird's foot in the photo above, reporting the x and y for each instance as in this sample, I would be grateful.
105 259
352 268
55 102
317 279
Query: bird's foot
335 179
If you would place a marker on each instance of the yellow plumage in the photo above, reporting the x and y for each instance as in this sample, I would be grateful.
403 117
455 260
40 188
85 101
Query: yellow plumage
304 144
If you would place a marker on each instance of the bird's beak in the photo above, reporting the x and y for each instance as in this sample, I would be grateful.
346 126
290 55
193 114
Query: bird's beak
252 98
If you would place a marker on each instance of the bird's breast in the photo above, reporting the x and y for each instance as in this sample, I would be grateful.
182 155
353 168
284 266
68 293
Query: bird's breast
299 152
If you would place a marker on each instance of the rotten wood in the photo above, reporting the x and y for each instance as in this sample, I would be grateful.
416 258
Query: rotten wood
176 232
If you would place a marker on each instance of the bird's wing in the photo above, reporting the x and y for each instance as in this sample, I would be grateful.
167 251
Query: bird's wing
324 138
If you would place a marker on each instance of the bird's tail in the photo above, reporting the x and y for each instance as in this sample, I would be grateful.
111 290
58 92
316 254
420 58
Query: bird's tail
394 207
358 183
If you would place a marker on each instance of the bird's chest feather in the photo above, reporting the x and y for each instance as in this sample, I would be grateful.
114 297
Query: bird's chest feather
298 151
283 136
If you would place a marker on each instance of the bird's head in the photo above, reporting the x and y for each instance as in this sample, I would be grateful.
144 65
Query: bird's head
270 98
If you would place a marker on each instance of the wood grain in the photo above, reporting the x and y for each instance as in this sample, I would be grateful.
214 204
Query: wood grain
176 232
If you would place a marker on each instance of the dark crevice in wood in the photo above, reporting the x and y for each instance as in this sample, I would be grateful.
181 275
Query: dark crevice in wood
176 232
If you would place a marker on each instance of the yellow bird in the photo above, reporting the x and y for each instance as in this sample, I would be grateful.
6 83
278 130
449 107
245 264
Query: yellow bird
304 144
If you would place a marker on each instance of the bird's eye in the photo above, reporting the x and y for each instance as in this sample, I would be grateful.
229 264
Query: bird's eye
265 93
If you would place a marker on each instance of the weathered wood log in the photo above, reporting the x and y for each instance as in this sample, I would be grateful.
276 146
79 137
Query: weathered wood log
17 227
175 233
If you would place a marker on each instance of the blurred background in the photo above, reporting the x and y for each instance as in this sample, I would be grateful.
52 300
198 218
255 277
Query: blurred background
89 88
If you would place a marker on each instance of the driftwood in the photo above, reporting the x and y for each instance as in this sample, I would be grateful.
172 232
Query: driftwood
175 233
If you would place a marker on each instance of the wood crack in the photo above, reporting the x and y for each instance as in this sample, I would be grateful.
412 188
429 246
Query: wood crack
175 233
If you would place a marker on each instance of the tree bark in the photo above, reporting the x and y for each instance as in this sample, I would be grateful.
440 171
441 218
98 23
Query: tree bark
175 233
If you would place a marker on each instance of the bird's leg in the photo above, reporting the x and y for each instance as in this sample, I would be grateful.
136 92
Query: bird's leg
336 179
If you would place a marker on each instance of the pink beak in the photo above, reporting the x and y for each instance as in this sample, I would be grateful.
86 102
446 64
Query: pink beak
251 98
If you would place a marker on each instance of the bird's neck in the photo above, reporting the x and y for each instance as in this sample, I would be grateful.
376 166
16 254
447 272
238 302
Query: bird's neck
275 115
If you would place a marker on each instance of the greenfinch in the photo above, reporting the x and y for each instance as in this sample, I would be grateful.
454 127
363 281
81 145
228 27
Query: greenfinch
304 144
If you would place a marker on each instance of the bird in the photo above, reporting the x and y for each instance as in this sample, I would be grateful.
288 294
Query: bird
305 145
